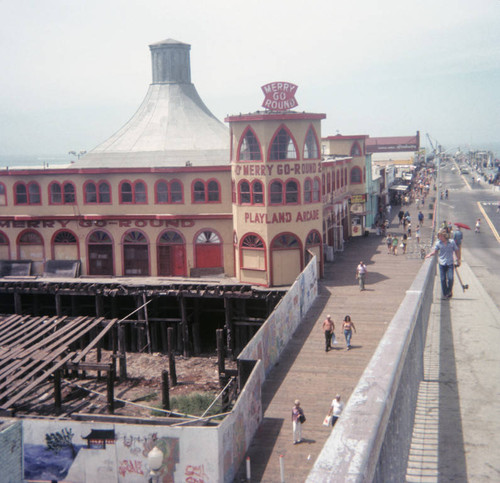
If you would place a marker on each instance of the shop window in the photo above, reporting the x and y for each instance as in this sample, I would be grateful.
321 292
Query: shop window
249 147
283 146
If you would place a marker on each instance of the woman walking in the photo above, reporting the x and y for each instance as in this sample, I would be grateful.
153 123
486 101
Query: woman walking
348 327
297 419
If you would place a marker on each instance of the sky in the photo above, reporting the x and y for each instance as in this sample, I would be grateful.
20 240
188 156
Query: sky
74 71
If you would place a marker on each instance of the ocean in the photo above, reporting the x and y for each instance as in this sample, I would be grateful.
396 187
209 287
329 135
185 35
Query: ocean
32 160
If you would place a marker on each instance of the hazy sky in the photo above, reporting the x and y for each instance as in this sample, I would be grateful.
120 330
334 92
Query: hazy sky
74 71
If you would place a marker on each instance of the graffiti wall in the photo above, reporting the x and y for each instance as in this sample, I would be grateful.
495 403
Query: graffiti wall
237 429
88 452
272 337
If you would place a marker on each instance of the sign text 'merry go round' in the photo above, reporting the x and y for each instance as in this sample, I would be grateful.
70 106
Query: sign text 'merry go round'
280 96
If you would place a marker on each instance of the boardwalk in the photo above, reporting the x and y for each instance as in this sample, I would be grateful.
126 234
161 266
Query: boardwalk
314 376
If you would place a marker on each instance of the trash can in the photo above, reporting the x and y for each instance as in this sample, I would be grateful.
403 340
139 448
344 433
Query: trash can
430 216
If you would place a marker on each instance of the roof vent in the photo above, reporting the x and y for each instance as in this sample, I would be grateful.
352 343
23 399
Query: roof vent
171 62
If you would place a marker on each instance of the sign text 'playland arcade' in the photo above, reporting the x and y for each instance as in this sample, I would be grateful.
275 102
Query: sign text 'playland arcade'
280 96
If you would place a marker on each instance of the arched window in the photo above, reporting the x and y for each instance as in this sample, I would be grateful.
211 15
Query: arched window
64 237
316 190
133 192
62 194
257 193
276 195
162 192
345 176
333 180
140 192
338 178
90 192
251 194
356 149
104 190
213 191
328 180
33 193
311 150
55 193
283 146
27 194
199 192
308 188
292 192
208 250
249 147
176 192
3 195
65 246
97 193
100 253
313 238
285 241
31 247
356 176
245 197
126 195
69 193
135 254
171 254
253 253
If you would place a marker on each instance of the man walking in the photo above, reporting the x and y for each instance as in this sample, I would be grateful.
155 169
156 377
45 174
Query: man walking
361 274
446 248
328 328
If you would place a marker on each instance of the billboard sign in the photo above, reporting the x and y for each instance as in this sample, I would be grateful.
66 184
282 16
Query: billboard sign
279 96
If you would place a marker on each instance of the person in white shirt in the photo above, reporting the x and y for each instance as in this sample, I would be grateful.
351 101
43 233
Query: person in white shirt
336 409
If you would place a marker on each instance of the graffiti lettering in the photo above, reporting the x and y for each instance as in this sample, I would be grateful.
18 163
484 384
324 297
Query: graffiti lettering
129 466
195 474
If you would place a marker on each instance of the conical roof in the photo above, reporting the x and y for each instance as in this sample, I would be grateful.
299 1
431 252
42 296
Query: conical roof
172 125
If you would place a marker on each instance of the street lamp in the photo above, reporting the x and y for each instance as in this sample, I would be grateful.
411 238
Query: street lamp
155 460
80 153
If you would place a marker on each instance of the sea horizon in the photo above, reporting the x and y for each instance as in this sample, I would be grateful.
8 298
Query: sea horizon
27 160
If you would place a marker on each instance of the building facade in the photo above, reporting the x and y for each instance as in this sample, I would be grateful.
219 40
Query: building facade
175 193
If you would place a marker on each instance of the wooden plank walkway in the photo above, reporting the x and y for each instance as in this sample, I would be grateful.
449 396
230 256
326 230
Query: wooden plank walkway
308 373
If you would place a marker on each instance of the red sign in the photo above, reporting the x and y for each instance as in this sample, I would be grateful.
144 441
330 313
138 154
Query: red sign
280 96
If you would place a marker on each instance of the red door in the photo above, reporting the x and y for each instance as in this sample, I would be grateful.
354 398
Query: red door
208 255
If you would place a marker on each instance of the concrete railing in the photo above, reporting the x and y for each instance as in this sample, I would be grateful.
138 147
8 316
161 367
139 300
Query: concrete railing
371 440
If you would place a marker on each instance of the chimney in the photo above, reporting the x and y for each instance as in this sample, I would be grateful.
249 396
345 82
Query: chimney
171 62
